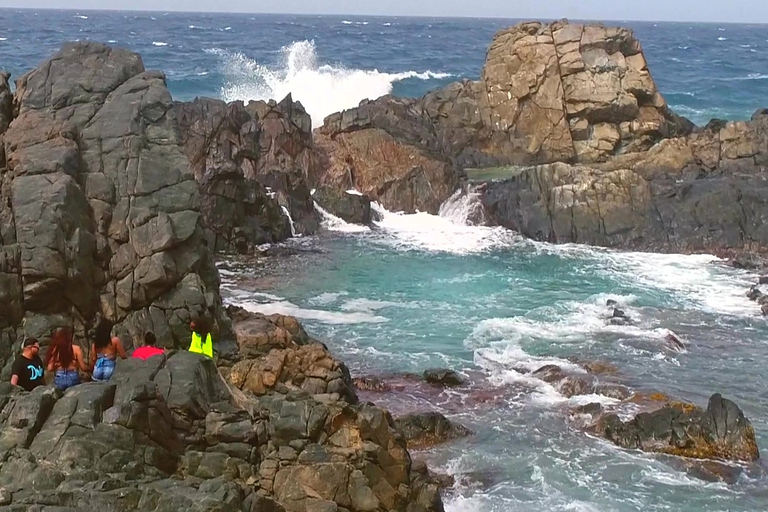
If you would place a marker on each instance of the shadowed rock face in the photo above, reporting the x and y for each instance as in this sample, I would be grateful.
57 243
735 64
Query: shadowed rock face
100 210
253 164
719 432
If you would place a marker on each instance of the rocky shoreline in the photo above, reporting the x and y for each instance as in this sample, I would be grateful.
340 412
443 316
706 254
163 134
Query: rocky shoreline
115 200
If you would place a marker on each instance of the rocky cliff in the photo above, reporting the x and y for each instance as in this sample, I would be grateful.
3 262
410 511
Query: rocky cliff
99 209
704 192
548 93
253 164
170 433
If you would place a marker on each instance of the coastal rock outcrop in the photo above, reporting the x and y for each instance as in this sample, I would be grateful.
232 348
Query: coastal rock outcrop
253 163
702 193
370 149
721 431
170 433
274 352
99 209
556 92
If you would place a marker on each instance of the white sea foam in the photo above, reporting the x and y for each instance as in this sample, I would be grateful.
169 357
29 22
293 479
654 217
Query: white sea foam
159 43
333 223
287 214
368 305
422 231
326 298
81 17
693 278
3 38
327 317
321 88
722 38
463 207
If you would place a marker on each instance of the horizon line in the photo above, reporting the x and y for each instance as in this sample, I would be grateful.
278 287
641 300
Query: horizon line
357 15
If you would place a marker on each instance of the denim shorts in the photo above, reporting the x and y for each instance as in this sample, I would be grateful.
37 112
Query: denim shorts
103 369
66 379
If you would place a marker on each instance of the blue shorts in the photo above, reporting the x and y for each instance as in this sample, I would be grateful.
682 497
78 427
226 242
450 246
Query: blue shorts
103 369
66 379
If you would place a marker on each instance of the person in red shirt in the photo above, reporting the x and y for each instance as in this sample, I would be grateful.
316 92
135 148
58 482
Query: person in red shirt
149 349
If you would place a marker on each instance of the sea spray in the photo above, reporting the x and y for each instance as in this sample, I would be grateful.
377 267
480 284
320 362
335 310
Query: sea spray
322 89
464 207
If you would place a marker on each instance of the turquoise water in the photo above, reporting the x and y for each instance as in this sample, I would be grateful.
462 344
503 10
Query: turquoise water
421 291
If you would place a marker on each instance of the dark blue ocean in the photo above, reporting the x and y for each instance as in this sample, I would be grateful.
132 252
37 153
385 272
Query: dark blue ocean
424 290
332 62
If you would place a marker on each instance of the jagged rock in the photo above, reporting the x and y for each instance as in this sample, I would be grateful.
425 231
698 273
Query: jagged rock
376 384
719 432
99 210
443 378
422 430
705 192
548 93
251 162
168 433
400 173
276 351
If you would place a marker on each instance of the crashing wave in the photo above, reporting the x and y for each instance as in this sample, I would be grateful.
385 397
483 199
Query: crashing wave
321 88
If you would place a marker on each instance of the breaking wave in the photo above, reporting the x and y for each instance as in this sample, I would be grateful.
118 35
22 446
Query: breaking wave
321 88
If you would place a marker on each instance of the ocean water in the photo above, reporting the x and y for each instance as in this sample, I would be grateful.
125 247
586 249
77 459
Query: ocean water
421 291
332 62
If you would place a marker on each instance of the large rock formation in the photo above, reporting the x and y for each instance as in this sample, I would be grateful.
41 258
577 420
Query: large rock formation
99 209
704 192
253 163
719 432
170 434
548 93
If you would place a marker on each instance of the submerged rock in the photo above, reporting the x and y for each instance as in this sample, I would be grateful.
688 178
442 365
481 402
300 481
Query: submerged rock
423 430
719 432
443 378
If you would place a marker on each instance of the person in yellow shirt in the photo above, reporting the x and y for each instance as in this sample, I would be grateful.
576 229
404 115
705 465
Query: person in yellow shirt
202 342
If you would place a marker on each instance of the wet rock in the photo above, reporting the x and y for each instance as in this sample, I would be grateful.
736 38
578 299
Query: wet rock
593 409
754 293
719 432
443 378
616 391
763 280
712 471
611 303
599 368
350 206
550 373
764 309
251 163
674 342
375 384
423 430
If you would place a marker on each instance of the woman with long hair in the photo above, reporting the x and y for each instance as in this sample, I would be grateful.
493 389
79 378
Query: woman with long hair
104 352
65 359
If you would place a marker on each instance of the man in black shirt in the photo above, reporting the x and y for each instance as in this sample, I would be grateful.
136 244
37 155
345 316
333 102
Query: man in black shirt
27 370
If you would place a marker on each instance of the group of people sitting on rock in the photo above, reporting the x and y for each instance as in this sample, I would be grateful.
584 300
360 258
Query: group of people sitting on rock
65 359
